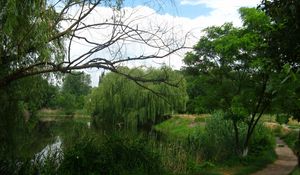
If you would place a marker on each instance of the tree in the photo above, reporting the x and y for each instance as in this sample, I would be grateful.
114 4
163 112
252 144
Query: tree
19 104
233 66
284 44
67 102
127 104
287 100
284 38
37 37
78 86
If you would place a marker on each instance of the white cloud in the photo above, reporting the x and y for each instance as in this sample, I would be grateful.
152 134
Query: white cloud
147 18
216 4
190 2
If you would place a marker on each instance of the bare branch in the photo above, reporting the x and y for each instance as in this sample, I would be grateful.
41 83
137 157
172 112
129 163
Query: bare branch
117 34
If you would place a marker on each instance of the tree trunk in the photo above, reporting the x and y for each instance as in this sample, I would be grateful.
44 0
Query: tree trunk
298 148
245 152
237 139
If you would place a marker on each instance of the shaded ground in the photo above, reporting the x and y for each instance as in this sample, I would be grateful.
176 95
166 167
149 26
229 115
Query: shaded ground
285 163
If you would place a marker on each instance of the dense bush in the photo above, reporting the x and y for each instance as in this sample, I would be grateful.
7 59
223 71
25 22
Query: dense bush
282 119
48 165
217 142
290 138
263 139
113 155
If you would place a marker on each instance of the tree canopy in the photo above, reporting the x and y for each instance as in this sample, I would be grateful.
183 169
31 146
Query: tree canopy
284 38
73 91
284 42
119 100
234 71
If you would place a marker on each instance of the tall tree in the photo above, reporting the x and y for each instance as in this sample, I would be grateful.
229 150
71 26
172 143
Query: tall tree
284 39
284 44
235 71
77 84
37 37
19 104
74 89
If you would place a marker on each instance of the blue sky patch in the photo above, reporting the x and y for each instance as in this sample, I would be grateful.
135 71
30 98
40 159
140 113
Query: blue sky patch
172 7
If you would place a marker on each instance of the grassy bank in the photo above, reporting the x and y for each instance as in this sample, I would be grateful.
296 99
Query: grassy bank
181 127
185 127
58 114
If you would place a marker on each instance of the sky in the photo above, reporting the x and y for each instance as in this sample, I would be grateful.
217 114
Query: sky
184 16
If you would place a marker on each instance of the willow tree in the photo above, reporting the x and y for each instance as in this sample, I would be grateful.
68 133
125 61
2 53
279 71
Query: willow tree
119 102
39 37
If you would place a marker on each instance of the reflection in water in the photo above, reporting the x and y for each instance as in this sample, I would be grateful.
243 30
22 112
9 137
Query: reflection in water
50 150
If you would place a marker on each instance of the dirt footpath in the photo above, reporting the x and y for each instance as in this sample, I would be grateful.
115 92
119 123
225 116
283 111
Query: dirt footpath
285 162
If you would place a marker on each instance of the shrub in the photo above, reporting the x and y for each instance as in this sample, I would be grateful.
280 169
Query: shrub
91 154
282 119
217 142
262 139
28 166
290 139
115 155
217 139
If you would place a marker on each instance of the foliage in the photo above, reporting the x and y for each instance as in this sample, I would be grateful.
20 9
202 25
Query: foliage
19 104
287 101
128 104
286 32
263 139
218 139
38 36
179 127
87 152
234 73
282 119
189 154
67 102
284 45
74 89
47 165
78 85
25 34
290 139
114 155
296 171
256 162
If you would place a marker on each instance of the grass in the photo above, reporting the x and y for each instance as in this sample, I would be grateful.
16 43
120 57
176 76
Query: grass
268 118
272 118
237 166
296 171
294 126
181 127
257 162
